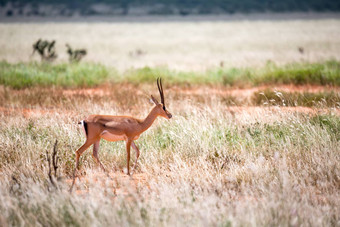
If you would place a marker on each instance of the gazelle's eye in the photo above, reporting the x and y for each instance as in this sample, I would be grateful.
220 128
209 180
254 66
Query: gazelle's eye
164 108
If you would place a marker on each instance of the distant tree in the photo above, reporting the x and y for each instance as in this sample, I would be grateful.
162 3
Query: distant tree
9 13
75 55
182 7
301 50
45 49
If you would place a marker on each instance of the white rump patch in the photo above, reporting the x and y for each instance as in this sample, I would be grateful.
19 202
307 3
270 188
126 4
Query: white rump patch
82 125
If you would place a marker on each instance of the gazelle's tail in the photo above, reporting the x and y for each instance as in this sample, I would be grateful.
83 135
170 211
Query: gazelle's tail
84 124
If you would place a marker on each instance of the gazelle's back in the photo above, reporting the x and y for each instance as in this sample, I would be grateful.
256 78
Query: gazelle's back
117 125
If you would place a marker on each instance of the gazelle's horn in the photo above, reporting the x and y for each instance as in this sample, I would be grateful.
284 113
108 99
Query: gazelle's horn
160 89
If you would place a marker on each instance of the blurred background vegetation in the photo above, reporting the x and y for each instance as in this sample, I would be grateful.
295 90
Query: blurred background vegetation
161 7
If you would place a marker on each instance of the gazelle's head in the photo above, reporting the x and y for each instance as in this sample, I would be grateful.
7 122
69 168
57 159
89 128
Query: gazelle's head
162 111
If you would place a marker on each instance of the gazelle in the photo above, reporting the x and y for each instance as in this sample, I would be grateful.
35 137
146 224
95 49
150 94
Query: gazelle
117 128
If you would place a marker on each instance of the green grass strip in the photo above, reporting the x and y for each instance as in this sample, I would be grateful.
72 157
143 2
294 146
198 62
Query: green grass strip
24 75
21 75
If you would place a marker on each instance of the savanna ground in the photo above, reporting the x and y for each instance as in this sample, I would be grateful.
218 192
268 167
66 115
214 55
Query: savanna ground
253 140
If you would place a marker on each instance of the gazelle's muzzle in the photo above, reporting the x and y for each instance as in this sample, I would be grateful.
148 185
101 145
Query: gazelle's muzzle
169 115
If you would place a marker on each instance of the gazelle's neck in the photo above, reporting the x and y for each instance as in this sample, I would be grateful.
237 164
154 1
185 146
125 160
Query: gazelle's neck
147 122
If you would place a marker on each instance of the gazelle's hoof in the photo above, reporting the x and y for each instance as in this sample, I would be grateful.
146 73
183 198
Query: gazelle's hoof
126 171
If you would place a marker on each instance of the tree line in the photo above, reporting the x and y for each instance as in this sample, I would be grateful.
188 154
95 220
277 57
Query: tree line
175 7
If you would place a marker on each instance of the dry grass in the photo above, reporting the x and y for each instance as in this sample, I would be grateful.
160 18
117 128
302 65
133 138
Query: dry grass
213 164
206 166
123 95
180 45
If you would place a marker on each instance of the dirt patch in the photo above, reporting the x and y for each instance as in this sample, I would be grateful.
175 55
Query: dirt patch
108 90
74 102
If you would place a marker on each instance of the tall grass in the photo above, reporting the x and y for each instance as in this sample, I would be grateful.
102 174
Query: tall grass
325 73
273 97
23 75
88 75
206 166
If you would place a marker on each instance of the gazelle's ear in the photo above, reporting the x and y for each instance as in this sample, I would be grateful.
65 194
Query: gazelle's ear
154 100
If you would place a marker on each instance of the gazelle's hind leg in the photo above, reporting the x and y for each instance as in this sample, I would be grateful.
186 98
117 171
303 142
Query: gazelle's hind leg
128 146
79 152
137 155
95 154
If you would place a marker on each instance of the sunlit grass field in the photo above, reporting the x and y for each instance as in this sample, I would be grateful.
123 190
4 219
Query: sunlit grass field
194 44
209 165
252 142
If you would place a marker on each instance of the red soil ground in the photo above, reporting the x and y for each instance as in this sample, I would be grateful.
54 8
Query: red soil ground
199 90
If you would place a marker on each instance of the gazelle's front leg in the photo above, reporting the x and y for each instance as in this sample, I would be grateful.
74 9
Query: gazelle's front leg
78 154
137 154
128 146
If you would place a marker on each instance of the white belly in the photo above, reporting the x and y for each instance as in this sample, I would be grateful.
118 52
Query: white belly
112 137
